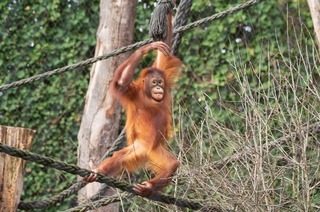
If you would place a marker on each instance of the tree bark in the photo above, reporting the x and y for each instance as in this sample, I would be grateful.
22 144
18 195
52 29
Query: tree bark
12 168
314 6
100 121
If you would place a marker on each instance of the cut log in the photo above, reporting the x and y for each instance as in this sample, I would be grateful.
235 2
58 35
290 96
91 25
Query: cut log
12 168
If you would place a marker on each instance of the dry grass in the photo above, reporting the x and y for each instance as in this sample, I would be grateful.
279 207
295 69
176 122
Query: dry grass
267 160
270 159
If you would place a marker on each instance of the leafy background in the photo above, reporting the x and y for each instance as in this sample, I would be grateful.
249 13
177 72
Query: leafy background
248 46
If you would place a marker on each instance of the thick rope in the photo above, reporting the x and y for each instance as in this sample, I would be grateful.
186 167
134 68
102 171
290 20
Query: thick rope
73 169
158 22
118 144
180 20
99 203
313 128
126 48
216 16
53 200
74 66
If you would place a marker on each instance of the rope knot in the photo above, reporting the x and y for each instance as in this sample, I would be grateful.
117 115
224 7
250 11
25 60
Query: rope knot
158 22
167 2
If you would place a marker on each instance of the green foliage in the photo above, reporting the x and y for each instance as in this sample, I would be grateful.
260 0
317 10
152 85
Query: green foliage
35 38
210 58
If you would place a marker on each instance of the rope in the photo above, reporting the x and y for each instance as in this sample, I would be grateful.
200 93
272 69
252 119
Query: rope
180 20
158 22
73 169
216 16
218 164
118 144
126 48
74 66
99 203
53 200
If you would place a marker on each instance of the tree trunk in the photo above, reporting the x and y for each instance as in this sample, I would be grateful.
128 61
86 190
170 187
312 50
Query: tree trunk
12 168
314 6
100 121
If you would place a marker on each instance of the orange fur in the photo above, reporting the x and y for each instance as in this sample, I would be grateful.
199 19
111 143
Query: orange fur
148 122
148 119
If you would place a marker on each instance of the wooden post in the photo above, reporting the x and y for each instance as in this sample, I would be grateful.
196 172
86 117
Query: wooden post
12 168
314 6
100 120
